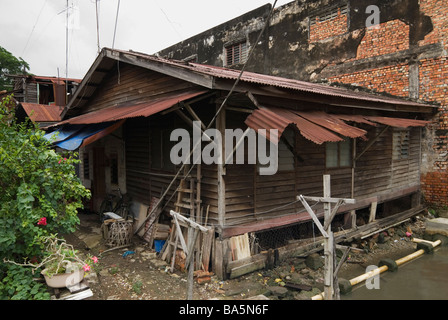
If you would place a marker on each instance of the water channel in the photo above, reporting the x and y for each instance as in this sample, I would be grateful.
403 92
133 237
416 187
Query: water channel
425 278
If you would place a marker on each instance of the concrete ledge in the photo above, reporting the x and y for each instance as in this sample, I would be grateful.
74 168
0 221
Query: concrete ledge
437 226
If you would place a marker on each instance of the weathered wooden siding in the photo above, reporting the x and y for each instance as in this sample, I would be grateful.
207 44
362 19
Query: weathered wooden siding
126 84
376 170
251 197
137 159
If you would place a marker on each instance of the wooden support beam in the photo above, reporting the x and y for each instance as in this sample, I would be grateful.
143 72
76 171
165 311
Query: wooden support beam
189 222
372 215
333 214
329 199
313 216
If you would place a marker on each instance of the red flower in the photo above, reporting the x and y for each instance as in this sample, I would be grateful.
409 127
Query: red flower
42 221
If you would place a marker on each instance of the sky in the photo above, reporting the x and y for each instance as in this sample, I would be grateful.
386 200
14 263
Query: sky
36 30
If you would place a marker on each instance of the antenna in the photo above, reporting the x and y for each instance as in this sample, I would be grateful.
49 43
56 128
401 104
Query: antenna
116 20
66 55
97 27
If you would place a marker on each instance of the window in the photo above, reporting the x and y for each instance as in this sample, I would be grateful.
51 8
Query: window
400 144
338 154
114 169
329 15
86 166
236 53
285 156
160 150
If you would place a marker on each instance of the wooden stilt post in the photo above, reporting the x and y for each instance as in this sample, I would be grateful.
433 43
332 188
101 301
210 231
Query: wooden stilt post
331 290
193 232
328 243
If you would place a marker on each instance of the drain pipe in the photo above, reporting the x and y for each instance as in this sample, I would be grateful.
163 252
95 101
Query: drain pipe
423 246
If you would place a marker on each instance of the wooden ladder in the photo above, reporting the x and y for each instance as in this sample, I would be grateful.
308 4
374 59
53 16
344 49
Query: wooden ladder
188 204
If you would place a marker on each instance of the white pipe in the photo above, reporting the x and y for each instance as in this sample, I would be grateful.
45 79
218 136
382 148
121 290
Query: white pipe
381 269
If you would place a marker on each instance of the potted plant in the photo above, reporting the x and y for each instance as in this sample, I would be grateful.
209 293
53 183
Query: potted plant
62 265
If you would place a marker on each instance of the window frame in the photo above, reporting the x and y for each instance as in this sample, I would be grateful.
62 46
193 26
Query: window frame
164 145
243 51
339 152
401 144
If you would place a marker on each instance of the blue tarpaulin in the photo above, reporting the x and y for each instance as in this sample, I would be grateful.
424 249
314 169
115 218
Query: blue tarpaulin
71 137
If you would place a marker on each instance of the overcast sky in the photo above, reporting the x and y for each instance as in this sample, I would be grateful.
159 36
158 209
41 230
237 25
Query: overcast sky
35 30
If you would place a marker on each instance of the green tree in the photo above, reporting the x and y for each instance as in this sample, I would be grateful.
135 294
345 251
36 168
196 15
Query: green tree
9 64
40 194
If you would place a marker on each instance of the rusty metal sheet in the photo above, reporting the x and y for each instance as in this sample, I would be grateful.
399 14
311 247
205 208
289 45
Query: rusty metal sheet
298 85
277 118
398 122
267 119
355 118
333 123
132 111
279 82
42 112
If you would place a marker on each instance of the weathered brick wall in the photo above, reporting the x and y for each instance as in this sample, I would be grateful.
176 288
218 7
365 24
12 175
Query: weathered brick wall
392 37
322 30
433 76
388 37
391 79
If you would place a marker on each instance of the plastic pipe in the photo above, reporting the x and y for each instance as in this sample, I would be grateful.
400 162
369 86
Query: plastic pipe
380 270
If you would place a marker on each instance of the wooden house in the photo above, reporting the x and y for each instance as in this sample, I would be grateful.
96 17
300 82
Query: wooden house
130 103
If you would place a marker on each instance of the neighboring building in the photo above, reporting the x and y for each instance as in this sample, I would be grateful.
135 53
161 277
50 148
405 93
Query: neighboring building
405 55
41 99
125 109
41 114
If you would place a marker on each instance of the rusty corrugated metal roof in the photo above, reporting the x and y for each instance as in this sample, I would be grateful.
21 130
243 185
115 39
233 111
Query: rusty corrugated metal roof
318 126
333 123
398 122
41 112
132 111
275 81
276 118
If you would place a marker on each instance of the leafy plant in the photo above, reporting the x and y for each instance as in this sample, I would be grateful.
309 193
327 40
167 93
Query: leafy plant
59 257
9 64
18 284
41 193
40 190
137 286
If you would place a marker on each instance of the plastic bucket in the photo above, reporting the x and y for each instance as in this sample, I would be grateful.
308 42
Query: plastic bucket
158 245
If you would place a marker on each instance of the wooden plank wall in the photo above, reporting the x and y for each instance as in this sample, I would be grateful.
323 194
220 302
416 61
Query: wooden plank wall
137 159
376 170
127 84
248 192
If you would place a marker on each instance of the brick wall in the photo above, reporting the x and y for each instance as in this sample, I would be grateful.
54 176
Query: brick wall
322 30
434 87
391 79
386 38
392 37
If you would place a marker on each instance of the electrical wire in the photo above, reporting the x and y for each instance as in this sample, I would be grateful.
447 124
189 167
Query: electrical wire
34 26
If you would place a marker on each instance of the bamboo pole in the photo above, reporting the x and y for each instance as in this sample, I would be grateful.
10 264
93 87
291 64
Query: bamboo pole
384 268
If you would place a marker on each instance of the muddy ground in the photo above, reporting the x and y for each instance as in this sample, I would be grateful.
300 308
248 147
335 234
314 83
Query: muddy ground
135 273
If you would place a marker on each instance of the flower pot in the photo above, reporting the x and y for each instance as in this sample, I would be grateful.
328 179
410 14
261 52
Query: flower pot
63 280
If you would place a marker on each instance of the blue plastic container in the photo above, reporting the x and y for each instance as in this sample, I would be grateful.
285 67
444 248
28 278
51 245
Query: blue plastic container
158 245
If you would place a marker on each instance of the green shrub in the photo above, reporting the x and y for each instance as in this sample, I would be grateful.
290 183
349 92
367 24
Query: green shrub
18 284
40 191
